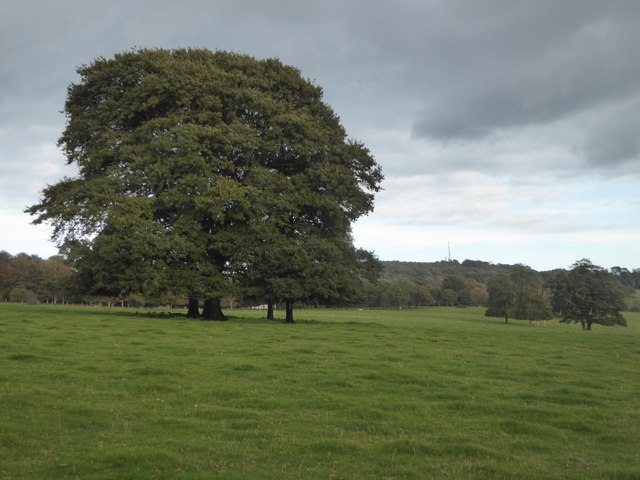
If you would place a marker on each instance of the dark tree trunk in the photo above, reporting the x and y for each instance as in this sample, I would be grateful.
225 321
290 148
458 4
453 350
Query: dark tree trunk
212 310
588 326
192 309
207 309
289 308
269 310
218 310
506 319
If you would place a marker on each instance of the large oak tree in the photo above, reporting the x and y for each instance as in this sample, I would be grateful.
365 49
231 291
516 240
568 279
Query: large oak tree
193 166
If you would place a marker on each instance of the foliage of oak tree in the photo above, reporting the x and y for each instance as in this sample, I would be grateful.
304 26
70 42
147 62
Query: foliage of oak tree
197 169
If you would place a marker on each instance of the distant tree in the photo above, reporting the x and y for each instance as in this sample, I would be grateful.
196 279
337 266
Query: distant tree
57 275
457 284
447 297
422 296
478 294
395 293
520 295
7 276
587 294
530 301
24 278
401 293
625 276
502 293
29 272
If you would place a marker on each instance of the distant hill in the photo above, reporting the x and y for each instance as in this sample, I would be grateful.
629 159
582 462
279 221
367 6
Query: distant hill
432 273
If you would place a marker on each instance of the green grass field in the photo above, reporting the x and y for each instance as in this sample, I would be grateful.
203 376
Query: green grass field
344 394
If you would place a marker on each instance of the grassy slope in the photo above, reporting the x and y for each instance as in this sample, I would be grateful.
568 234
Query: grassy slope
433 393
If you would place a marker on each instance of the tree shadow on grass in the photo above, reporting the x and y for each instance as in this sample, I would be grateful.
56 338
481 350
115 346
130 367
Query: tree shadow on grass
334 323
230 318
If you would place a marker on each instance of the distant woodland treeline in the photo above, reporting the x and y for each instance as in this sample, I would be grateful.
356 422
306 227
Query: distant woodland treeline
28 278
465 283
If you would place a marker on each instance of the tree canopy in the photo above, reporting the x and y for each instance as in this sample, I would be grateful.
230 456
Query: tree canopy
502 292
588 294
31 279
197 170
519 295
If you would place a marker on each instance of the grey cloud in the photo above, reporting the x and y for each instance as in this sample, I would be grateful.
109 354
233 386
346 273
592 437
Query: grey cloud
612 140
548 69
457 71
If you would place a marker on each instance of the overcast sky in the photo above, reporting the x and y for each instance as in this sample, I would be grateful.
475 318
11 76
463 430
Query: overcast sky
507 128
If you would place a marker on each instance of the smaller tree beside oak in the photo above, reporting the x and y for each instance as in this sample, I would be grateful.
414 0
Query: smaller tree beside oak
587 294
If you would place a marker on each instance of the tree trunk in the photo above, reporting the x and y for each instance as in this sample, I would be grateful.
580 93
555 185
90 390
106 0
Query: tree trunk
269 310
192 310
588 326
212 310
289 309
506 319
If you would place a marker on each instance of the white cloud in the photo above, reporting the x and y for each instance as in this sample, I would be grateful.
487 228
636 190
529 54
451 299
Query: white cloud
28 166
19 236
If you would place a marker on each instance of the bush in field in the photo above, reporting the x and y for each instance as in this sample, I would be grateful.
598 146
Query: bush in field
22 295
